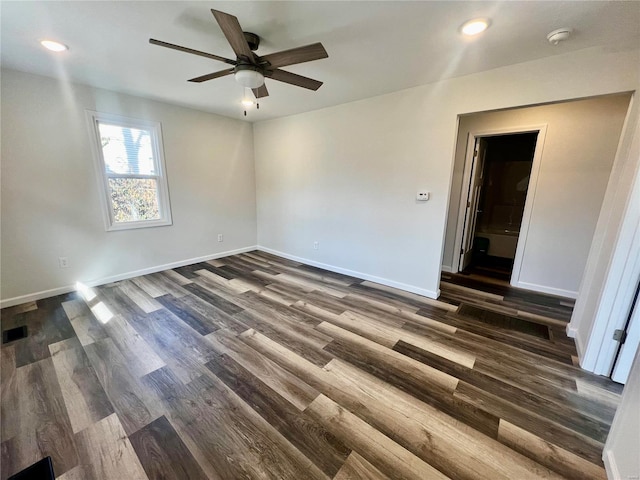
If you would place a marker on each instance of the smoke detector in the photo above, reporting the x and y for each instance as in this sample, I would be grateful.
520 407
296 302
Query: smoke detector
559 35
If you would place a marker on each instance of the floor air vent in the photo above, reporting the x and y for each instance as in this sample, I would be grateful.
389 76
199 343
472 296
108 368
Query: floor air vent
14 334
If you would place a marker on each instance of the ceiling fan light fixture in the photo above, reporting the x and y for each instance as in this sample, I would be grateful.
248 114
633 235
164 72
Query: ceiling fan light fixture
475 26
249 77
247 102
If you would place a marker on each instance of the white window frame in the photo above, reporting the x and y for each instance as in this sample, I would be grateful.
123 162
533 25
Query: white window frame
164 206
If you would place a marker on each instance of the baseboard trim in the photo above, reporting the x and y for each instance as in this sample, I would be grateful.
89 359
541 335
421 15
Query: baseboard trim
352 273
31 297
572 332
610 465
10 302
558 292
446 269
579 347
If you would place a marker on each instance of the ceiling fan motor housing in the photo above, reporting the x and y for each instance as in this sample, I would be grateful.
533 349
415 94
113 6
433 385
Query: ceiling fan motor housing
252 39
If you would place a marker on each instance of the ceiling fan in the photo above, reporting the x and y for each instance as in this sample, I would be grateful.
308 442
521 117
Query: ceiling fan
250 69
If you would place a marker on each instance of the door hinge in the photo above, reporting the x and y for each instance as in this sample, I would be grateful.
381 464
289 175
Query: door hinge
620 336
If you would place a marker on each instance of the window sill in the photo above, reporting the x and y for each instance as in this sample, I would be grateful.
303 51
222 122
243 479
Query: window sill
140 224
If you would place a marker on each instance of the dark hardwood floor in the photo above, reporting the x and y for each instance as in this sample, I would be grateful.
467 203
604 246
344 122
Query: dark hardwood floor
254 366
514 299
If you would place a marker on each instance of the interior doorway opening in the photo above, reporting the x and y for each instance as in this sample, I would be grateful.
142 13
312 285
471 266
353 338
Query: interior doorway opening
500 169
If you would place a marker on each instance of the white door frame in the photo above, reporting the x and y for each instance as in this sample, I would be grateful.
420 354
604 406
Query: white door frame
607 290
531 191
618 291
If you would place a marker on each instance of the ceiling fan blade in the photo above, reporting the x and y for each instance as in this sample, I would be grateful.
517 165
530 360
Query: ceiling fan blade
211 76
261 91
233 31
153 41
293 56
294 79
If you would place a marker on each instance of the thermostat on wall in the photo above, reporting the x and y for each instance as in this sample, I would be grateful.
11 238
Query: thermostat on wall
422 196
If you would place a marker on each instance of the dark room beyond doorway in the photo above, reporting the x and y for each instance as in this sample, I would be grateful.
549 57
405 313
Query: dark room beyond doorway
504 169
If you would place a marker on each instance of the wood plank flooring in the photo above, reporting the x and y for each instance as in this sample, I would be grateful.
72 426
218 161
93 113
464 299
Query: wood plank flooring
256 367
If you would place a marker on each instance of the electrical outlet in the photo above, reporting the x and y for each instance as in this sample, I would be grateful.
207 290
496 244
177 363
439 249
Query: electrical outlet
316 245
64 262
220 237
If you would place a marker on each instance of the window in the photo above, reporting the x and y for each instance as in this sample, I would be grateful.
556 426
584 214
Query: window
132 173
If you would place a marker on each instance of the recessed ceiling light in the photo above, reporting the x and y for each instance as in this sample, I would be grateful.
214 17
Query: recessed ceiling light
54 46
475 26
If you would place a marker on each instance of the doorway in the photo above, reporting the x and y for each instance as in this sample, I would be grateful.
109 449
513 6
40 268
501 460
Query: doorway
494 205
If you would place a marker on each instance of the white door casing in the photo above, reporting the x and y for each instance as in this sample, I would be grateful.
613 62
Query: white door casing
617 294
541 130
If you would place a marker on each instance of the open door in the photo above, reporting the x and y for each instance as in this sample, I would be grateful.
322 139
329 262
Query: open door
629 337
471 212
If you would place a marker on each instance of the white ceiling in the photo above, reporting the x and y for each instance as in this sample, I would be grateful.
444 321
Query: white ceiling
374 47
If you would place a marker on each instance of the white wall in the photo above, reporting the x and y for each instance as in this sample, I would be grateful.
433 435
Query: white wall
347 176
50 202
580 145
620 453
